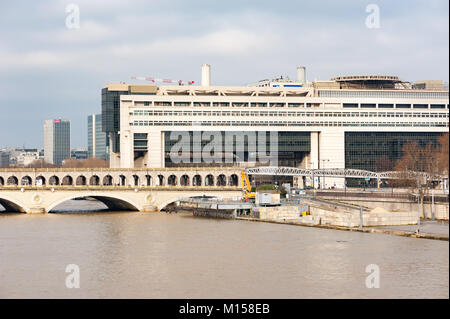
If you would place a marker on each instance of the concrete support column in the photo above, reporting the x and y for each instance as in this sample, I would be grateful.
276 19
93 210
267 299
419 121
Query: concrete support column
126 149
114 158
332 154
314 156
155 148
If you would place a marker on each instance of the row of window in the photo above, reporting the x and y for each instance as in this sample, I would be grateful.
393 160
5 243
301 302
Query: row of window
288 114
384 94
288 123
290 105
393 106
224 104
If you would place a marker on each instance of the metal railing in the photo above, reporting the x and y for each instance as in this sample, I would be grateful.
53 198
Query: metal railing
337 172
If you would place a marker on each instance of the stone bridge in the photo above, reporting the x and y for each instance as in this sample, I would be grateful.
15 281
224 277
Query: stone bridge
146 190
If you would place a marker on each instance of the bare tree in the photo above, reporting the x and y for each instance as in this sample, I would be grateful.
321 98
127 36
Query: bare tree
95 163
41 163
383 164
72 163
423 166
442 156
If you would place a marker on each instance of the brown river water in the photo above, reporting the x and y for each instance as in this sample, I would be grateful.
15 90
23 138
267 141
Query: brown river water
159 255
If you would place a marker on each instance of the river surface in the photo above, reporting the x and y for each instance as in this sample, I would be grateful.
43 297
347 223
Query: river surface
159 255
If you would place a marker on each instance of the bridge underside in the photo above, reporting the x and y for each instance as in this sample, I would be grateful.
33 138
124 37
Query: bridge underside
115 204
10 207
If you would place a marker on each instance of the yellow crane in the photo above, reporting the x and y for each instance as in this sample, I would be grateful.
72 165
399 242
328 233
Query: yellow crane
246 187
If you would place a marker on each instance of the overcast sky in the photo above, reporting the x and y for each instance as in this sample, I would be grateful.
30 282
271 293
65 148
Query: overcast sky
50 71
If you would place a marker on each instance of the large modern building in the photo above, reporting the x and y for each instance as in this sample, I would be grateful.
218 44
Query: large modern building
56 141
4 159
348 121
98 141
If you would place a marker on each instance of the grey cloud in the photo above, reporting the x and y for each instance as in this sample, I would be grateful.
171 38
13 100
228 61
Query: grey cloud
62 71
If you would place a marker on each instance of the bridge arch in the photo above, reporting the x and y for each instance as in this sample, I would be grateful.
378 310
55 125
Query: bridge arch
160 180
148 180
67 180
135 180
209 180
184 180
2 181
107 180
221 180
53 180
12 180
172 180
26 180
233 180
112 201
81 180
11 205
122 180
41 180
197 180
94 180
163 204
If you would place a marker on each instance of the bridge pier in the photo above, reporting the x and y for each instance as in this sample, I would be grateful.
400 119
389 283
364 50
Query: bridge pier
149 209
36 210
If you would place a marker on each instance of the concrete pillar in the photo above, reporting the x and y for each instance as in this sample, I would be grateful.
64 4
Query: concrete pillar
332 154
114 158
156 149
298 182
126 149
314 155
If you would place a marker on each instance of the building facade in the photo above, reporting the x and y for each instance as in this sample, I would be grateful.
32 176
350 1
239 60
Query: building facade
28 156
350 122
56 141
4 159
98 141
79 153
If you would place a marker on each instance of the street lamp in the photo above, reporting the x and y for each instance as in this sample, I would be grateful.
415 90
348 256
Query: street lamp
345 182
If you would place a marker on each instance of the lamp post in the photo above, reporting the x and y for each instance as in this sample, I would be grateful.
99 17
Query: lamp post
147 180
345 182
419 193
323 164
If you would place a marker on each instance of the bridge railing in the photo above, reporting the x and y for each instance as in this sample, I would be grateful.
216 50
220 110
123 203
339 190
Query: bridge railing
115 187
339 172
107 169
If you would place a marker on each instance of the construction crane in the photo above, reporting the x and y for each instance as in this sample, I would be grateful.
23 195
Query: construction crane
144 78
246 187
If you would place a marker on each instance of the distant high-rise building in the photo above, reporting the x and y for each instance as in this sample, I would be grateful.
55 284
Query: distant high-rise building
98 141
4 159
79 153
56 141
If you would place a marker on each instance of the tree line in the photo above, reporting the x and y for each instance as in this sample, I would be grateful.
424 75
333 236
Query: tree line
71 163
